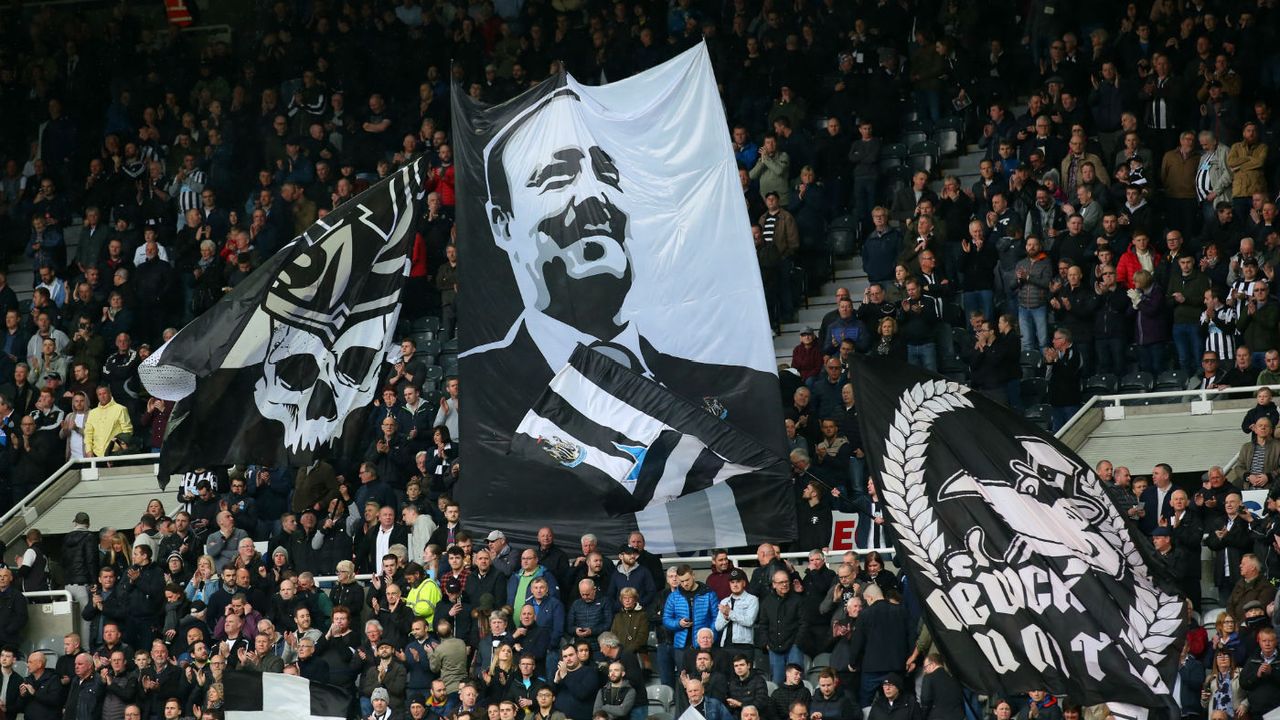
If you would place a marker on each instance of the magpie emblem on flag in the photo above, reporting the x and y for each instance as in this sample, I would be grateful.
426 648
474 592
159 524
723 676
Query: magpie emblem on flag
715 407
1029 576
562 451
653 457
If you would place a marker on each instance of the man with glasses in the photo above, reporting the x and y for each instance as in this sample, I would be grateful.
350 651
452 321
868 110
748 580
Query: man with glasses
1211 375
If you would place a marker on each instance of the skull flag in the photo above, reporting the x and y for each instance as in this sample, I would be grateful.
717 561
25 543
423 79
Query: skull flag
1028 575
274 372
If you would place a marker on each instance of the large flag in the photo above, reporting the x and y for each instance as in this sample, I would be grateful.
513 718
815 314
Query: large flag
277 696
610 217
273 372
1029 576
691 480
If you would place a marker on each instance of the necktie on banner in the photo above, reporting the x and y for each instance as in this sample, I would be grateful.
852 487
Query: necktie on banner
285 362
690 479
1029 576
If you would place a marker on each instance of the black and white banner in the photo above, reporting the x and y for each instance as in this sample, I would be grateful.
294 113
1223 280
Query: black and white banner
273 371
1030 577
277 696
609 217
690 480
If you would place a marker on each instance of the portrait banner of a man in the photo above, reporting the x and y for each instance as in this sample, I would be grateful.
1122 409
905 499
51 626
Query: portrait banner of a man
608 217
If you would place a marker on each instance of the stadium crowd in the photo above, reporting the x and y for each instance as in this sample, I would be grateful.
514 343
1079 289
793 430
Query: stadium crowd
1124 218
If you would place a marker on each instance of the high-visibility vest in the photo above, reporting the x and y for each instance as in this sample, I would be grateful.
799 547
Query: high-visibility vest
178 13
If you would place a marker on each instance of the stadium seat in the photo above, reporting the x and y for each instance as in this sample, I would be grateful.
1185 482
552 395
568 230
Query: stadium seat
771 686
820 661
429 324
1136 382
1034 390
1039 414
842 236
429 347
661 696
435 374
1170 380
893 180
915 132
1101 384
450 365
892 156
1031 360
947 140
923 156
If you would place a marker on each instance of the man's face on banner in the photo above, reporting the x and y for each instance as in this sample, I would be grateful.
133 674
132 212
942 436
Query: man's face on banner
563 227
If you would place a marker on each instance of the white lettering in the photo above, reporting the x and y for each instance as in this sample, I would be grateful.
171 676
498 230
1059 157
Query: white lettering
1038 595
1090 646
1004 590
944 611
967 599
1042 650
997 650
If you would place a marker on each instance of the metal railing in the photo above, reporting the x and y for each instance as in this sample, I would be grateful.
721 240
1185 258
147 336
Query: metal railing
91 465
1120 399
61 595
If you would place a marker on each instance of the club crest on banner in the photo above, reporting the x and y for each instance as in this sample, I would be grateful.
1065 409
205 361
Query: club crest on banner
1060 528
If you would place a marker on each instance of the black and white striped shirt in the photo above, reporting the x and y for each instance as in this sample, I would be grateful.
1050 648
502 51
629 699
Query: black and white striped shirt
1221 327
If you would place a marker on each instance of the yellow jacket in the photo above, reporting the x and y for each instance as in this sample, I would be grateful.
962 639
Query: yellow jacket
422 601
103 424
1246 162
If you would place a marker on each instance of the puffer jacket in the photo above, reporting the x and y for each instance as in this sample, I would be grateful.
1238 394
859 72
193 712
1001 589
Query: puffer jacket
698 605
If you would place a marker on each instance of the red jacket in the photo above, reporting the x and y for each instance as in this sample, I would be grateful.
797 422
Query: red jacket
1129 265
442 182
807 360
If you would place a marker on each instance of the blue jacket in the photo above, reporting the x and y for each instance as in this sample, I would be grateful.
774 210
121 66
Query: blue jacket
698 605
713 709
880 254
513 583
640 578
550 615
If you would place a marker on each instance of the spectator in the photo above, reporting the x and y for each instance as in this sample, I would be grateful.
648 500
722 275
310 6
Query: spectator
104 423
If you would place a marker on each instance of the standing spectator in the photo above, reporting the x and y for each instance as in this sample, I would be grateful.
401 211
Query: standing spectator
778 227
1063 363
780 616
772 172
688 609
1246 160
1032 277
104 423
13 610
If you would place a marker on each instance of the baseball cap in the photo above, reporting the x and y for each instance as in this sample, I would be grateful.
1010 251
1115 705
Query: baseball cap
417 700
495 535
452 585
808 331
81 518
628 550
737 574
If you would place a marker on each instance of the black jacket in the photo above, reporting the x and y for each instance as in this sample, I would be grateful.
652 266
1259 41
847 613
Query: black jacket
941 696
781 617
1263 691
905 708
46 702
80 557
13 616
882 639
1064 378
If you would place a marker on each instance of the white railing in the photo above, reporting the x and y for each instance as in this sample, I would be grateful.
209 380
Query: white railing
89 471
1119 400
61 595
